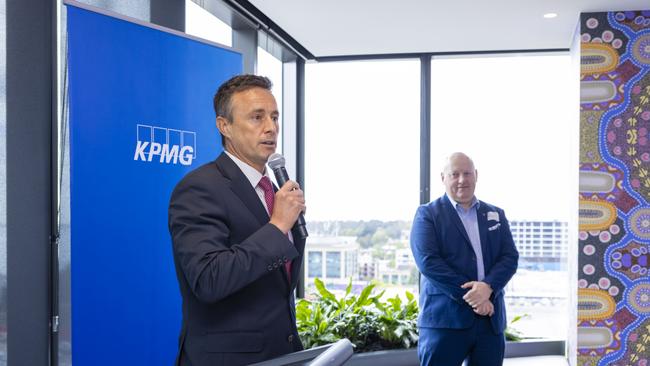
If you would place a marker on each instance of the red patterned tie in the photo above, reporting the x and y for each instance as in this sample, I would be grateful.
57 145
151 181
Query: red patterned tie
269 197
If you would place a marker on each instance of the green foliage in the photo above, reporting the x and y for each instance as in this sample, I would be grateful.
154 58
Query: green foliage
367 321
512 334
399 321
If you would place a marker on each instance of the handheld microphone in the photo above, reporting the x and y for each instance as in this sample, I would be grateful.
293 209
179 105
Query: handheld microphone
276 163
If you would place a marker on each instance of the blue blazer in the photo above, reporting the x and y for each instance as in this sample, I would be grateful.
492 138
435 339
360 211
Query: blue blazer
446 260
238 305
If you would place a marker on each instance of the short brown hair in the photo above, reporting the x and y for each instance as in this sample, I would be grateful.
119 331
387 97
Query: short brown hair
237 84
223 97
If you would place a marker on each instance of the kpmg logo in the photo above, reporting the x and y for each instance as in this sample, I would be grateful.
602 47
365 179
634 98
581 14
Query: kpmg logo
165 145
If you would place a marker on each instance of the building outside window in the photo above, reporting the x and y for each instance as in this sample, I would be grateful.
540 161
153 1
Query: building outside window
340 253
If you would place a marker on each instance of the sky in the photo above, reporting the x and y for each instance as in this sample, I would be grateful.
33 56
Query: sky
515 116
362 140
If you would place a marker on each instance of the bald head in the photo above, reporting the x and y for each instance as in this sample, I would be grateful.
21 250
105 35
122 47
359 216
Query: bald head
455 157
459 177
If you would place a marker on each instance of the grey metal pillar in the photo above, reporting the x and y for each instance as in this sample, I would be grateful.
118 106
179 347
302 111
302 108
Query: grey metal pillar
244 40
30 90
168 13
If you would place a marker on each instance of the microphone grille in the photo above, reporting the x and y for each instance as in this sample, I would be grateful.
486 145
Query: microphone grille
276 161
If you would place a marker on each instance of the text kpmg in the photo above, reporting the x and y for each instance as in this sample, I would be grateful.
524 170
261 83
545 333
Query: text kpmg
165 145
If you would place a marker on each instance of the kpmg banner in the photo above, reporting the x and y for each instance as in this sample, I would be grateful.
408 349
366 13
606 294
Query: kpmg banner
140 118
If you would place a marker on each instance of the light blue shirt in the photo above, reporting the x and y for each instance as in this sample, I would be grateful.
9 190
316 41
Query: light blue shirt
469 218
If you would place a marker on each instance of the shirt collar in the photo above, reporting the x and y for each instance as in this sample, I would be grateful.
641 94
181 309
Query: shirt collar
251 173
457 206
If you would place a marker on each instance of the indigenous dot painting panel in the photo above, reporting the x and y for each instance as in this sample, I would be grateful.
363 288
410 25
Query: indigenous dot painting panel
614 214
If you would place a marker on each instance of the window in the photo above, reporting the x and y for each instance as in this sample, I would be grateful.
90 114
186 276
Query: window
201 23
505 112
315 264
362 123
333 265
271 67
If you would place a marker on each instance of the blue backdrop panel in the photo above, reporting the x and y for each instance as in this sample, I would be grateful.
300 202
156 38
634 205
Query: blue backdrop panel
140 118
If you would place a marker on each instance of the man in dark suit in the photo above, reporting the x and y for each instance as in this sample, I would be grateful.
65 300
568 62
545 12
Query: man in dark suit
236 259
465 253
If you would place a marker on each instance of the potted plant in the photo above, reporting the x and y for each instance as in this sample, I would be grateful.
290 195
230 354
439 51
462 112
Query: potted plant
370 323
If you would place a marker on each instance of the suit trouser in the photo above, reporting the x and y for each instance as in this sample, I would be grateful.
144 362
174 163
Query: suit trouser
450 347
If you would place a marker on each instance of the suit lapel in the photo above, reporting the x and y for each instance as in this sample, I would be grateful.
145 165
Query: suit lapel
241 186
456 220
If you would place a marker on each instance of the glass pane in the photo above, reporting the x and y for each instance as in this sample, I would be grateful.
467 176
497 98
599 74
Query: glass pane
315 264
333 265
271 67
3 184
362 170
201 23
513 116
63 165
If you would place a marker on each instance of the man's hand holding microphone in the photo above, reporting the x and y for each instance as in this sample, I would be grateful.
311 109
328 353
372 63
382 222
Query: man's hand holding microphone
289 205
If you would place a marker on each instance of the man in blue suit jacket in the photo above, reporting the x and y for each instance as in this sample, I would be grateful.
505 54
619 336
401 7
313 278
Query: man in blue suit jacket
465 253
231 254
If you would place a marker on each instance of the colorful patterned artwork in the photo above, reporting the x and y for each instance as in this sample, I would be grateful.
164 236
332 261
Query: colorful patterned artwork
614 239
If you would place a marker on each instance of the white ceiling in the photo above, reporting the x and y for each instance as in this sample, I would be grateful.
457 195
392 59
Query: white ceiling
367 27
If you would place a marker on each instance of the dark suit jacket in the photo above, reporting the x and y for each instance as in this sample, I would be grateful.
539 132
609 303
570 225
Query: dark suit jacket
446 260
238 306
